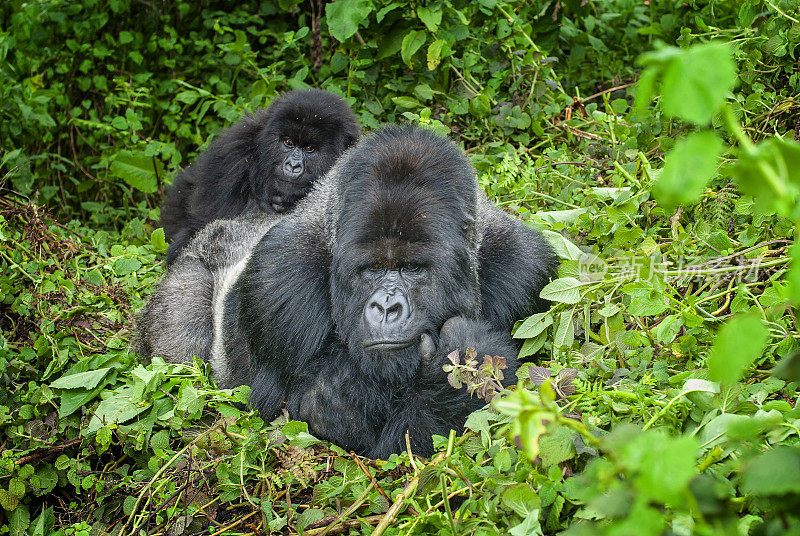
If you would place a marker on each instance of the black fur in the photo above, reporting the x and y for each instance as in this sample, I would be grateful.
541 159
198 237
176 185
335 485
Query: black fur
403 205
243 169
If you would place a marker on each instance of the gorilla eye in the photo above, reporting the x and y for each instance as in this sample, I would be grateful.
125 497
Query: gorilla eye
412 268
309 149
288 142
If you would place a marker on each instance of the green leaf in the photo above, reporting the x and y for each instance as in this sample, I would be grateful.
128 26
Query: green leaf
697 82
556 446
411 43
521 499
740 342
118 408
430 18
533 325
664 464
688 168
158 241
138 170
120 123
563 290
344 16
435 53
125 266
775 472
406 102
81 380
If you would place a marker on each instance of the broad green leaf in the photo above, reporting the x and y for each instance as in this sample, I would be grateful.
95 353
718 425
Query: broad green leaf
556 446
188 96
664 464
411 43
138 170
565 332
563 290
406 102
435 53
125 266
740 342
81 380
118 408
533 325
567 217
157 239
344 16
688 168
430 18
775 472
697 82
532 345
564 247
521 499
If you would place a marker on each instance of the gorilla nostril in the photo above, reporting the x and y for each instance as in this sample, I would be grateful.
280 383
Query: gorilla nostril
394 312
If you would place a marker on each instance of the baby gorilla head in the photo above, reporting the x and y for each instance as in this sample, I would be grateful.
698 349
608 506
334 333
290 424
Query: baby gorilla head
404 260
307 130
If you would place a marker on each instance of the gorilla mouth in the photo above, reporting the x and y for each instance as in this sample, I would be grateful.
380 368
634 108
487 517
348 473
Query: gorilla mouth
387 345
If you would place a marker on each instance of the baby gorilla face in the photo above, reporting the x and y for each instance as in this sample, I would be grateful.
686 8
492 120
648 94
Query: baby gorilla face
301 158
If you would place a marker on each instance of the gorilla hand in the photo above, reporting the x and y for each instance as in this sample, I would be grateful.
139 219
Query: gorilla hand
426 349
276 202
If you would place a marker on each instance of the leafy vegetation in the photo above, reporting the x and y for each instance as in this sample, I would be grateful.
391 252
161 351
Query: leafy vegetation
654 143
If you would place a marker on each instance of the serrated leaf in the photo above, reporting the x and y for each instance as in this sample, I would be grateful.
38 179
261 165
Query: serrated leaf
125 266
556 446
539 375
740 342
521 499
687 169
344 16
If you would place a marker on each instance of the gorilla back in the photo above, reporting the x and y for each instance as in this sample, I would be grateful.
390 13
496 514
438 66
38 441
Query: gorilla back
348 307
264 163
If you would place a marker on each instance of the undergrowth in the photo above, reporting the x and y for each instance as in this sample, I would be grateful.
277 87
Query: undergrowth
661 394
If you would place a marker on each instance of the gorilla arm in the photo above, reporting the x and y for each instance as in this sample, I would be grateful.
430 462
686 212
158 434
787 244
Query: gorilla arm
283 308
515 263
432 405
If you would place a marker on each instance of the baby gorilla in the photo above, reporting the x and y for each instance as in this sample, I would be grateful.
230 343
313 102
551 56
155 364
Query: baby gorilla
344 311
264 163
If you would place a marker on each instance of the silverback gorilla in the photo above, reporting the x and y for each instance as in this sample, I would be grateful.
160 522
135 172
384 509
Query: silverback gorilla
343 312
264 163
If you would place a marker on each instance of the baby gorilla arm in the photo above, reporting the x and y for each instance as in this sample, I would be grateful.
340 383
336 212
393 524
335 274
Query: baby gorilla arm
432 405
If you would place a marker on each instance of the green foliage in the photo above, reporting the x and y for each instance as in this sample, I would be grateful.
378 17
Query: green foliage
662 397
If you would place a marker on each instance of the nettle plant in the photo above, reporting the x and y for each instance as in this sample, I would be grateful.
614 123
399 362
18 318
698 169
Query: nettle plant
713 453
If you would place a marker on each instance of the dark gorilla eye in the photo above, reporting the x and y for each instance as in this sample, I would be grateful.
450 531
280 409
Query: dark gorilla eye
288 142
309 149
412 268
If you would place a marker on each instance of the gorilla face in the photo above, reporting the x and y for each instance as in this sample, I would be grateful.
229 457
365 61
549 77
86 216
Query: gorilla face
305 135
404 265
